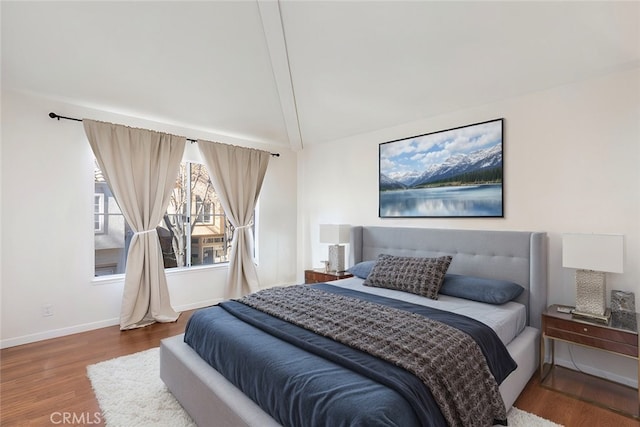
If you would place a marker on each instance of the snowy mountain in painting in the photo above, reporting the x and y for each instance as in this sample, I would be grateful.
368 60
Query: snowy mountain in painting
387 183
459 164
406 178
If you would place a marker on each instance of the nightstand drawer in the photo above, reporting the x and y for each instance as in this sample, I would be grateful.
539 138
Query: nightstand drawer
592 335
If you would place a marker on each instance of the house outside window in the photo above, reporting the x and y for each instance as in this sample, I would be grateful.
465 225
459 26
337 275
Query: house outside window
98 209
193 231
205 211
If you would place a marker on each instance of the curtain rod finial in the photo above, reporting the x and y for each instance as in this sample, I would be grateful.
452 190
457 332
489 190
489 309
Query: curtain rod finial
58 116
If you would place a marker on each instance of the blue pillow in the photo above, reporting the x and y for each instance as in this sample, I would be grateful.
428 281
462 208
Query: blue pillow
479 289
362 269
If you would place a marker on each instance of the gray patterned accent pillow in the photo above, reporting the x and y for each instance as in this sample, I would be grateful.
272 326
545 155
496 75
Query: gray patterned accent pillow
421 276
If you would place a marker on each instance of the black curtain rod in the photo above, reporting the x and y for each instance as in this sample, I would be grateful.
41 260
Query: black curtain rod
56 116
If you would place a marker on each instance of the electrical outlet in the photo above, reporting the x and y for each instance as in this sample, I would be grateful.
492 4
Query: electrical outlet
47 310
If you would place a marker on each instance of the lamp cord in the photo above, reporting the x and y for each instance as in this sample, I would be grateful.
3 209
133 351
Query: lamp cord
573 362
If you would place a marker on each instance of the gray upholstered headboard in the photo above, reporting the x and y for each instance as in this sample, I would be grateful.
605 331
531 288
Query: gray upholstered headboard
518 256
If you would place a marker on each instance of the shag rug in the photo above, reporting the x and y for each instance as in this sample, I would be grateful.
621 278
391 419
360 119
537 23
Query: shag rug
131 394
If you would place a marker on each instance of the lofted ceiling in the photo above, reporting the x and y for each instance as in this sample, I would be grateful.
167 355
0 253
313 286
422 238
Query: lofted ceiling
297 73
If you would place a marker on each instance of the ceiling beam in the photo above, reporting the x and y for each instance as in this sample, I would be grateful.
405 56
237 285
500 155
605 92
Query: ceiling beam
277 45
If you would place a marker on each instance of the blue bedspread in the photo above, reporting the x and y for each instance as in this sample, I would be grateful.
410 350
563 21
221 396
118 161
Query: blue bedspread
303 379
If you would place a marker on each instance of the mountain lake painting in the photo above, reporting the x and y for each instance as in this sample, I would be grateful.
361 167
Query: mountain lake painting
451 173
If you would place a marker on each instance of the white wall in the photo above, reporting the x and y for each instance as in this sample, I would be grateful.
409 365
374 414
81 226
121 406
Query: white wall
572 164
47 220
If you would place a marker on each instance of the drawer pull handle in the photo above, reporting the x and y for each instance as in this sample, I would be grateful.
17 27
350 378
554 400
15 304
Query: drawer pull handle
585 329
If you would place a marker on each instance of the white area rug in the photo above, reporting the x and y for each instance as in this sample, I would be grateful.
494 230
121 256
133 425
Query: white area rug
131 394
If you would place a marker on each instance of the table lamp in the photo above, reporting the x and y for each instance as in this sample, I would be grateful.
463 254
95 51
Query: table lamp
592 255
335 234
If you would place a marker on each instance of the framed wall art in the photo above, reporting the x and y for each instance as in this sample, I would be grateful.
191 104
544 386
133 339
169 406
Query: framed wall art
451 173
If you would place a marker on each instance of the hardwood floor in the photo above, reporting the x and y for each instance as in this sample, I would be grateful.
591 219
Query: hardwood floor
566 410
43 381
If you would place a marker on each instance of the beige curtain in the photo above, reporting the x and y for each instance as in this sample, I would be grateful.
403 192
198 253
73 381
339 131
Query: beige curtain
237 174
141 167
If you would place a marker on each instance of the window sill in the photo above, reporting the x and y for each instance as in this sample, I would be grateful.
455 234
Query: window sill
119 278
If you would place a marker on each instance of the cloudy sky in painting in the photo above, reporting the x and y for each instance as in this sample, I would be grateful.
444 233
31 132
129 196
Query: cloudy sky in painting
417 154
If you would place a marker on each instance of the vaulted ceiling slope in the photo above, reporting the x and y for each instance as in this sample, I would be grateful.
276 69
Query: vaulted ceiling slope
296 73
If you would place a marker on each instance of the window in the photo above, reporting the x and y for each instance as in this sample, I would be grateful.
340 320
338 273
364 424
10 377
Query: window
193 231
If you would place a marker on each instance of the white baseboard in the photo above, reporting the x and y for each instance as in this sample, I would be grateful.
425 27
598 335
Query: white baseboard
56 333
598 372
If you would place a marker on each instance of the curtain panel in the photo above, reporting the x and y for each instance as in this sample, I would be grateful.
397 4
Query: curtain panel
237 174
140 167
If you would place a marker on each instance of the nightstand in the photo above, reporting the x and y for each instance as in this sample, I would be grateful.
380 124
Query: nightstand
319 276
618 336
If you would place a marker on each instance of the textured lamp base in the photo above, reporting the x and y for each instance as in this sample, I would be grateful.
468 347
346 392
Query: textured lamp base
591 293
336 258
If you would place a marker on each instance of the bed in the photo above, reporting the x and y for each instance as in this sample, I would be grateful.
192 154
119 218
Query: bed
514 256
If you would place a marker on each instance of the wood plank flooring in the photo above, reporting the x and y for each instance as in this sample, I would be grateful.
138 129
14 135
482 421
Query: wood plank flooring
43 381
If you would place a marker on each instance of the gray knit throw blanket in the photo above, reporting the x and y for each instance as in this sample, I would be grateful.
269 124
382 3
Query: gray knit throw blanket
444 358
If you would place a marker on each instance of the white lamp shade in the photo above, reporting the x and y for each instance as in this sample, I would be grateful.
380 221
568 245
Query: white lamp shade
335 233
597 252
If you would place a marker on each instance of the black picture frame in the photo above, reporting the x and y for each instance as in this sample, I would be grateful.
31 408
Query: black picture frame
452 173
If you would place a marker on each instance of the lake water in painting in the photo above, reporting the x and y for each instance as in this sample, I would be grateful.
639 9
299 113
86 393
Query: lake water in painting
470 200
